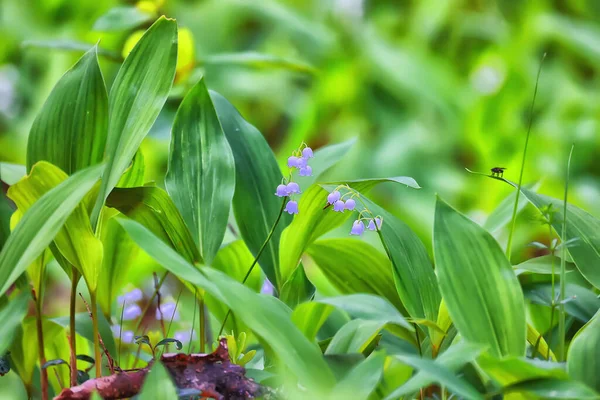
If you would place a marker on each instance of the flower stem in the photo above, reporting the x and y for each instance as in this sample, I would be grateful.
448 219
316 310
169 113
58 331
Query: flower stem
563 268
72 333
201 322
262 248
516 206
40 336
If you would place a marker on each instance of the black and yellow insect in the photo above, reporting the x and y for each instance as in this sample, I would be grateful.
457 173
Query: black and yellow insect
498 171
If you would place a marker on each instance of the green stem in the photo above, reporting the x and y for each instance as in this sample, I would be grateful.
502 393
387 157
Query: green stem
72 333
563 268
40 337
552 309
201 329
418 339
96 332
262 248
516 206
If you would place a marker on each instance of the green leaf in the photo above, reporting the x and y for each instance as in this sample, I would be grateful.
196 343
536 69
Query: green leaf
42 222
70 45
511 370
581 225
368 307
70 129
541 265
478 284
313 221
554 389
582 302
84 327
158 384
257 175
134 175
119 253
76 240
455 358
413 273
153 208
443 376
6 212
266 316
12 315
234 260
362 380
355 336
166 341
201 174
297 288
121 18
138 93
354 266
310 317
583 361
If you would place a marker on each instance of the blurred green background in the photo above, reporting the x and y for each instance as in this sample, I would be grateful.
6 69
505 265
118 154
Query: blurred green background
428 87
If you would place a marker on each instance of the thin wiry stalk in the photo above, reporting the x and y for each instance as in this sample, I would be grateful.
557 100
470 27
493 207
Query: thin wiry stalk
38 299
201 322
193 321
516 206
563 268
262 248
72 333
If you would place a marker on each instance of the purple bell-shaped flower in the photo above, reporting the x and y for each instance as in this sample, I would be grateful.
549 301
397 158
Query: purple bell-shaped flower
358 227
292 207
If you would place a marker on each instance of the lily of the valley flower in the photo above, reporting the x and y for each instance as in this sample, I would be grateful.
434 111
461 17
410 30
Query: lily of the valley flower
293 188
358 227
372 223
282 191
305 171
350 204
131 312
333 197
291 207
167 311
339 206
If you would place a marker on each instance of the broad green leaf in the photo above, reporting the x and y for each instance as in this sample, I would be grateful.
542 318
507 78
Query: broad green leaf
84 327
413 273
583 360
442 375
153 208
42 222
158 384
355 336
70 130
256 177
456 357
122 18
138 93
310 317
362 379
297 289
119 253
11 315
580 225
265 315
536 340
76 240
354 266
201 174
258 60
6 211
478 284
234 260
368 307
325 158
553 389
12 173
313 220
511 370
134 175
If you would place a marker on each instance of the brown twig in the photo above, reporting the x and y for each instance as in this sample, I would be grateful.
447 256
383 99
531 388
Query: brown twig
111 362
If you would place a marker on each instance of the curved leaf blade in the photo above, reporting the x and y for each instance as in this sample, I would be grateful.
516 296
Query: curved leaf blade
42 222
12 315
158 384
201 172
257 174
71 128
478 284
583 361
137 95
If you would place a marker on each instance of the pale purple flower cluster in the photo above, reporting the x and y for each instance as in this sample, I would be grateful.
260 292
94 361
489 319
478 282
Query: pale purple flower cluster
167 311
335 198
299 161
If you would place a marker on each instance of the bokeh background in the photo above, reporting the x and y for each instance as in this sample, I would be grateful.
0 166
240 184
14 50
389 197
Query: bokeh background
427 87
